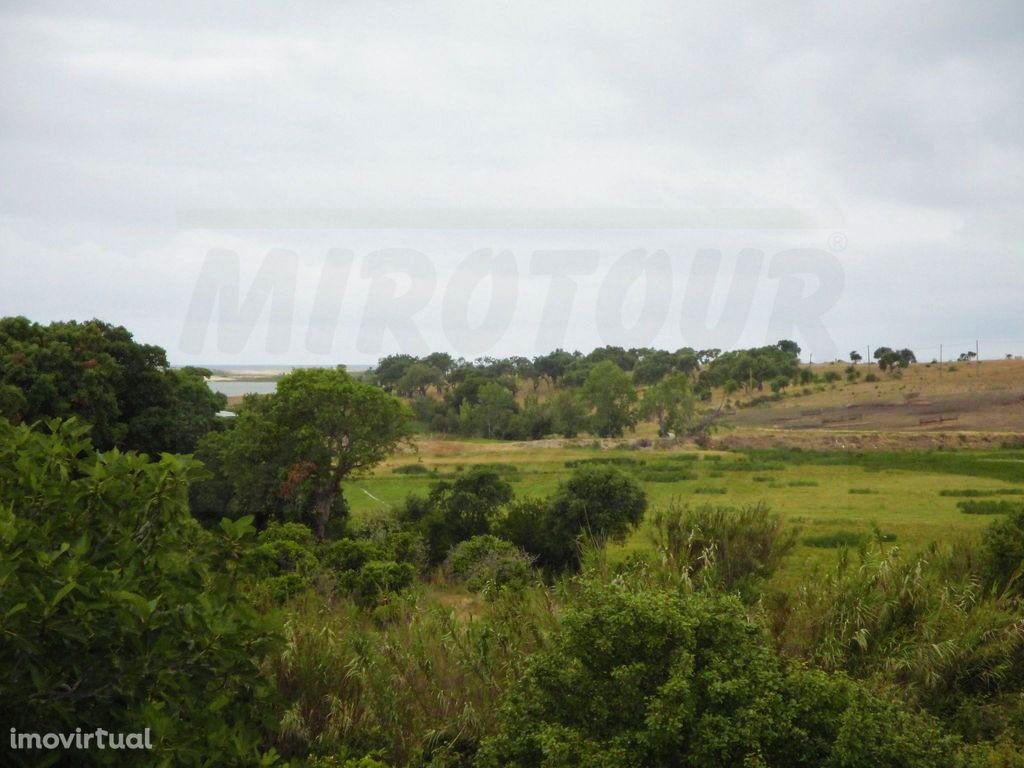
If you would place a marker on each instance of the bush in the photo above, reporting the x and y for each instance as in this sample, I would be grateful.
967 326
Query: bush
118 609
734 549
456 511
645 678
412 469
837 539
1001 507
596 502
487 562
1002 547
664 475
621 461
871 378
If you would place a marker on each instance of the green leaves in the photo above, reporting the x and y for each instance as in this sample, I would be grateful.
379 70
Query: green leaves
114 609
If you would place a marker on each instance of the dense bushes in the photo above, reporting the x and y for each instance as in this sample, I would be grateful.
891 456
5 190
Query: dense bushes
455 511
722 547
640 677
487 562
118 609
1003 550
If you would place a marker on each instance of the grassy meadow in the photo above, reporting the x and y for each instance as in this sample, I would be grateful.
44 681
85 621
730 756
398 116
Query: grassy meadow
834 498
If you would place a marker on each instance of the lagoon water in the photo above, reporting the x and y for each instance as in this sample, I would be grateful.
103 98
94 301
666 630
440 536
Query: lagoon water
239 387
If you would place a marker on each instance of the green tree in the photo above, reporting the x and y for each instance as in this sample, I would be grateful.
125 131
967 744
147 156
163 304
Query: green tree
99 373
553 365
653 367
417 379
568 414
390 369
119 611
670 402
611 396
298 444
493 413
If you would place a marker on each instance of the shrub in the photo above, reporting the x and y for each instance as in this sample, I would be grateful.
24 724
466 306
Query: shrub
596 502
974 493
837 539
725 547
664 475
376 581
1002 547
485 562
621 461
658 679
871 378
412 469
456 511
118 610
1000 507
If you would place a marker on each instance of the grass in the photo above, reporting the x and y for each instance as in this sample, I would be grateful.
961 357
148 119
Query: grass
913 496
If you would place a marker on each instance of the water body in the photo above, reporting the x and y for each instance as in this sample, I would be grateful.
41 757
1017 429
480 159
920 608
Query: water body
239 387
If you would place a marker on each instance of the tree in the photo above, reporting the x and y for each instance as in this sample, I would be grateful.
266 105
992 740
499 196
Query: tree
553 365
99 373
643 678
390 369
493 413
653 367
894 360
418 378
855 356
611 396
119 611
568 414
598 503
319 428
670 402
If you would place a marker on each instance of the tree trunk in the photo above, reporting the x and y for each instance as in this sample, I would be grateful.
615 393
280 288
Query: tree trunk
322 511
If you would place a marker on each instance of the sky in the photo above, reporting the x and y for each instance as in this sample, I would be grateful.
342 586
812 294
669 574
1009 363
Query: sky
269 183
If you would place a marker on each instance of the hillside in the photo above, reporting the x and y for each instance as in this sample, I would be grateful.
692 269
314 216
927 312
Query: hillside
973 404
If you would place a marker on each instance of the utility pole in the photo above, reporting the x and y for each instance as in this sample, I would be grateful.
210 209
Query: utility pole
868 358
940 359
977 356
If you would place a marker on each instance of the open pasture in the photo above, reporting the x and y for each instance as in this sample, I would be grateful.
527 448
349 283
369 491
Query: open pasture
835 498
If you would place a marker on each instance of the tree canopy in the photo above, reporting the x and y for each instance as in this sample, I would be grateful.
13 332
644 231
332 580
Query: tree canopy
290 451
96 371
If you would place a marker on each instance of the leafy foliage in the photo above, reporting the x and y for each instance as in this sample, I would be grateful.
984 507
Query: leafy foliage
118 609
645 678
97 372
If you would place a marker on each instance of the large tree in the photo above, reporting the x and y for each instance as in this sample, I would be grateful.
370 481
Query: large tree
670 402
319 428
96 371
611 397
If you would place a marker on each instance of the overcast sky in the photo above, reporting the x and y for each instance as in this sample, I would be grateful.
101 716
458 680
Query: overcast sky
505 179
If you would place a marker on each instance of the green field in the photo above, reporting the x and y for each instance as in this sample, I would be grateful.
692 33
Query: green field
832 497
